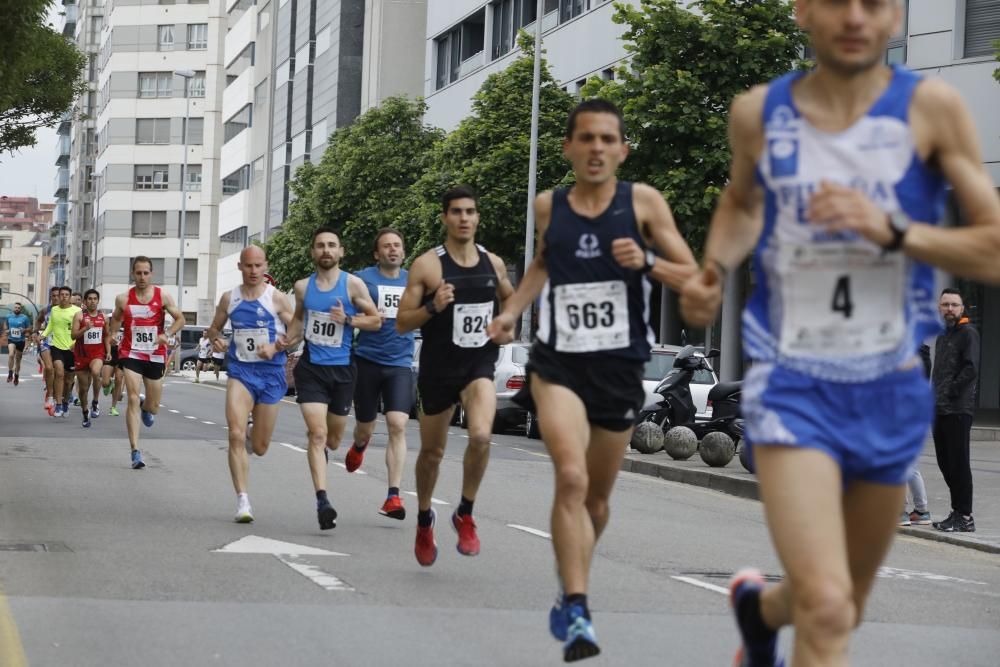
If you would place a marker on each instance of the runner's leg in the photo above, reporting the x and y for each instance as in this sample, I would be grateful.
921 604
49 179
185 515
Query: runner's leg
604 459
239 403
154 390
96 371
133 382
314 415
59 382
433 438
480 400
48 373
395 450
264 419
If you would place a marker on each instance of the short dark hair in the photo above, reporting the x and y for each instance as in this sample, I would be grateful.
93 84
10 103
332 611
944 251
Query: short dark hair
458 192
382 232
595 105
17 303
91 291
142 258
325 229
66 288
953 290
77 294
53 289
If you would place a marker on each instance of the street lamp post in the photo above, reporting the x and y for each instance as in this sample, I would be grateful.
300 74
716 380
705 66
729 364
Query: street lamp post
187 75
529 231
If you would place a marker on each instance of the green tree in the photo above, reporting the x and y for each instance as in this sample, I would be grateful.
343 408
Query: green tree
42 73
685 68
361 184
489 150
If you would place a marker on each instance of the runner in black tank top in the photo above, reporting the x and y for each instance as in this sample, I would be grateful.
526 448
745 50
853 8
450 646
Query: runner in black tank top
451 295
591 271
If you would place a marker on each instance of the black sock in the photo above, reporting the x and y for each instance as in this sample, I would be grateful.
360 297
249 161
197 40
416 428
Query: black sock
465 506
321 498
579 599
86 413
424 518
361 447
755 630
393 491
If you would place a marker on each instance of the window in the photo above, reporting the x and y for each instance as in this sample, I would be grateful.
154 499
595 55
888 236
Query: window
570 9
31 291
195 131
509 16
5 243
240 121
192 178
165 37
197 35
982 27
195 86
4 266
895 51
458 45
4 287
237 181
233 242
192 224
152 131
190 274
31 269
151 177
608 74
237 11
260 95
156 84
149 223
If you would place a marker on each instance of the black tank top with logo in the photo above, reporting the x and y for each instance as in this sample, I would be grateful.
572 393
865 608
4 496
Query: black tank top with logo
455 340
590 305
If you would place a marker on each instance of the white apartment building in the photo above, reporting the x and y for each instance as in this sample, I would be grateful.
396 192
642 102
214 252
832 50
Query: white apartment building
159 90
295 71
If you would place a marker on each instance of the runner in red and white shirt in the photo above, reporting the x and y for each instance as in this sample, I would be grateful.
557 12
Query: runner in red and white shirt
93 346
142 353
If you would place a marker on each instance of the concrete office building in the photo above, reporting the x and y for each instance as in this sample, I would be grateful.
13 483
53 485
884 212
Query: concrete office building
24 240
158 62
295 71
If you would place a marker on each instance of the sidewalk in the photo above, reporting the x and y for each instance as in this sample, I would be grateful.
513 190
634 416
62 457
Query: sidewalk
734 480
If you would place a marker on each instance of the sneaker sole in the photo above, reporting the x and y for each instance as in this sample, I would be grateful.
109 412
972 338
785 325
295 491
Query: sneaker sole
580 649
138 466
327 518
244 518
920 523
394 514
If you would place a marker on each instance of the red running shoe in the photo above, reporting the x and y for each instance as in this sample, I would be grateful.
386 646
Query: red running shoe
393 508
426 548
468 541
354 457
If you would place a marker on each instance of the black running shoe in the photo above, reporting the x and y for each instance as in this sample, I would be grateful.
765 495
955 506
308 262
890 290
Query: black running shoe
947 524
327 516
961 524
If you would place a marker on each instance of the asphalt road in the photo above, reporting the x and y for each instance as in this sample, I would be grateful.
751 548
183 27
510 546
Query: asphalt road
103 565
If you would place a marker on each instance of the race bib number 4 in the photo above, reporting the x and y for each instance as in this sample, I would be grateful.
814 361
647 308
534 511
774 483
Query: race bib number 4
470 322
248 343
591 317
144 339
93 336
388 300
324 331
841 300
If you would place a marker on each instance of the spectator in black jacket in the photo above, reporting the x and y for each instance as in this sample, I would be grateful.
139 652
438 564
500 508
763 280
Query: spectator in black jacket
956 369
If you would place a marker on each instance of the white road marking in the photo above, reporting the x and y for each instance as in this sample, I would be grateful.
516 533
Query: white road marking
289 553
702 584
209 423
530 530
317 576
189 417
176 412
434 501
898 573
290 446
528 451
337 463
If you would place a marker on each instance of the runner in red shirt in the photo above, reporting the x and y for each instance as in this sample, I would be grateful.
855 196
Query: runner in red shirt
93 346
142 353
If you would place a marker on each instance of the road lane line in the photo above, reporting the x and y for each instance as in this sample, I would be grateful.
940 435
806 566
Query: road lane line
434 501
528 451
189 417
290 446
530 530
702 584
209 423
176 412
337 463
11 650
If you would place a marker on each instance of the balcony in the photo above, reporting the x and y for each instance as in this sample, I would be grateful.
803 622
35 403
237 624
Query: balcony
71 12
61 183
63 145
65 123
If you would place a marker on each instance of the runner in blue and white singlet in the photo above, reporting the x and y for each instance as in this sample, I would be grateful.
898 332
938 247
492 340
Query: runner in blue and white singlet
847 165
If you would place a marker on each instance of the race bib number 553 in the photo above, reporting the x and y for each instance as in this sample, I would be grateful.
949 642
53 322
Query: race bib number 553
388 300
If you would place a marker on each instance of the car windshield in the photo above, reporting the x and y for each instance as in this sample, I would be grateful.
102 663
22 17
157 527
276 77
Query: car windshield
519 354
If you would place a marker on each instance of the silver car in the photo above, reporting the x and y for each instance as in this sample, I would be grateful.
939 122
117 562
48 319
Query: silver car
509 376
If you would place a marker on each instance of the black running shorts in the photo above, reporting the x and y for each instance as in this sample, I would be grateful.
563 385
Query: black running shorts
437 394
330 385
65 356
394 384
611 389
151 370
18 345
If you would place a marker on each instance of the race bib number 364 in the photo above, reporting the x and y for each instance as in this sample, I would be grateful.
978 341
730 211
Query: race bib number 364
469 326
144 339
591 317
841 300
322 330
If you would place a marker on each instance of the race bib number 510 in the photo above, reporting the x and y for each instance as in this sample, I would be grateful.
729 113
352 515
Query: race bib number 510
324 331
591 317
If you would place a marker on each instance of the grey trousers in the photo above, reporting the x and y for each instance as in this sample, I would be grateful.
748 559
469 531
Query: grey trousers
916 492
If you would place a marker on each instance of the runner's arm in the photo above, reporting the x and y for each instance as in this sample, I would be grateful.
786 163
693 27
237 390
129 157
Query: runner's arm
412 313
970 251
170 306
293 332
77 330
117 314
107 339
676 263
286 314
214 330
369 319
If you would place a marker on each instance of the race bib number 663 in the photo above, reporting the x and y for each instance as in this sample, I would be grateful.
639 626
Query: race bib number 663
591 317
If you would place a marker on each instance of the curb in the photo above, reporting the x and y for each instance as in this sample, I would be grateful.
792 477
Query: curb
748 488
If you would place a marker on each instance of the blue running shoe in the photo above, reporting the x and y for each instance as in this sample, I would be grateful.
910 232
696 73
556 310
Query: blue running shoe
758 651
147 417
581 642
137 460
558 623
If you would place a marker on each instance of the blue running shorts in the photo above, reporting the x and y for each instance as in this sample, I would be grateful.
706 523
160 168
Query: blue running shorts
873 430
265 382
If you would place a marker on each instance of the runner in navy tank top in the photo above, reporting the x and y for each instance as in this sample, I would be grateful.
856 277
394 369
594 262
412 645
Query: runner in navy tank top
329 305
595 255
837 185
451 295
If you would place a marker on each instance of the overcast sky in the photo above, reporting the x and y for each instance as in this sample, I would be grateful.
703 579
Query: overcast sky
32 172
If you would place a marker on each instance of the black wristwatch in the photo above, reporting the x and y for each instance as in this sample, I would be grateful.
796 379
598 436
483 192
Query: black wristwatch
650 262
347 320
429 307
898 224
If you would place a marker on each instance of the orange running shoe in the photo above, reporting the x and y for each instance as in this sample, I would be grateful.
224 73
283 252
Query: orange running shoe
393 508
468 541
426 548
355 457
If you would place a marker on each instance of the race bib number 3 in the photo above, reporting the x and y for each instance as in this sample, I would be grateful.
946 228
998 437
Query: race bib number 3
388 300
470 322
841 300
248 343
324 331
144 339
93 336
591 317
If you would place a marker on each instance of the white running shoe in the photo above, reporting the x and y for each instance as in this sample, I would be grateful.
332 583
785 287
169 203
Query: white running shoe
244 513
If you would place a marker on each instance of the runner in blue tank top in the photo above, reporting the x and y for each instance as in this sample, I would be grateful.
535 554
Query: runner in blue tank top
329 305
848 164
384 359
595 255
17 326
259 315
